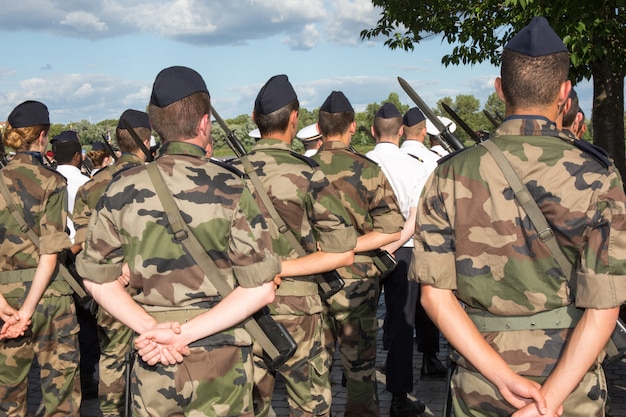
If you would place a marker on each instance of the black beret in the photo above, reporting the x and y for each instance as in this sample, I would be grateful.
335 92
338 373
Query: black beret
536 39
275 94
29 113
413 117
98 146
388 111
66 136
176 83
336 102
135 119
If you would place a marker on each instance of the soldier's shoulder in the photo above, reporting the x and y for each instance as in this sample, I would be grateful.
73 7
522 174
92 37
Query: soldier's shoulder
307 160
453 155
596 152
228 167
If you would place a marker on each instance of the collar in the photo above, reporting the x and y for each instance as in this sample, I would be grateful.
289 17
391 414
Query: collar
527 125
181 148
334 144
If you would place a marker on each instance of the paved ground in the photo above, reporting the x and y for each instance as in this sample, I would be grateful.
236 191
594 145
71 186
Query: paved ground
431 392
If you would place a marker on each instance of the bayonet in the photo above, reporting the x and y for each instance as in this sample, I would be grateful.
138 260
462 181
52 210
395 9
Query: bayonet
491 118
450 142
138 141
461 123
109 148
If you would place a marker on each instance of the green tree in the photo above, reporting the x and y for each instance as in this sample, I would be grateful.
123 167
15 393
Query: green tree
594 33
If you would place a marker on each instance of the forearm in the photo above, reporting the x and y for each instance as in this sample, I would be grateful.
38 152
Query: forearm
374 240
113 298
45 268
408 230
315 263
232 310
587 340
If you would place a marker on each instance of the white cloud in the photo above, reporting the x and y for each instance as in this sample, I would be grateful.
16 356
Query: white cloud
308 38
84 22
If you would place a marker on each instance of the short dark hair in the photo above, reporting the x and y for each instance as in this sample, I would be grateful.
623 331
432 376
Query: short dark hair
276 121
387 127
179 120
570 116
64 152
532 81
332 124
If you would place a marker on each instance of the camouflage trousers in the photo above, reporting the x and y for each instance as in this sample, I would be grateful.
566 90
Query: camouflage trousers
473 395
352 323
213 381
306 374
53 340
115 340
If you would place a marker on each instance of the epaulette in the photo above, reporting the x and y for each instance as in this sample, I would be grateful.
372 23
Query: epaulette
306 159
416 157
228 167
365 157
119 171
595 151
49 168
450 155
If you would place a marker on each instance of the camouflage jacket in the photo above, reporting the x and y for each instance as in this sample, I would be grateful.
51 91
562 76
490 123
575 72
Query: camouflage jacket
41 195
367 196
473 237
308 204
129 226
89 193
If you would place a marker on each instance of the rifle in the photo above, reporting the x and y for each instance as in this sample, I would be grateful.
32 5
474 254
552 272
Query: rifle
129 358
329 283
450 142
108 147
457 119
138 141
499 116
81 297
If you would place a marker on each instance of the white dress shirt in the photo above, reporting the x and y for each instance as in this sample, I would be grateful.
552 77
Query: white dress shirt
75 179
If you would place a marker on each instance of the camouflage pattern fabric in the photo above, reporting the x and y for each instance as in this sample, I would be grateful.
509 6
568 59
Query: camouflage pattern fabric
53 335
129 226
312 209
472 237
351 314
114 337
211 382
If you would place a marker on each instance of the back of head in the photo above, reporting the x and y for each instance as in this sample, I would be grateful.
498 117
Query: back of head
25 123
414 123
139 122
336 115
65 146
179 100
535 63
274 104
387 121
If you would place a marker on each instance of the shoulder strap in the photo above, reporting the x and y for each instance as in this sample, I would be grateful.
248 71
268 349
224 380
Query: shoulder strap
282 227
185 236
523 197
25 228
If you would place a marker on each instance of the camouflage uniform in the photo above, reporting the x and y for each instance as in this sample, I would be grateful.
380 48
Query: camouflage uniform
472 237
372 206
115 337
53 335
311 208
128 226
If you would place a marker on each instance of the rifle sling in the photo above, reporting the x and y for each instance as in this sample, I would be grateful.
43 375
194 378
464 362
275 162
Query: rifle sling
185 236
25 228
282 227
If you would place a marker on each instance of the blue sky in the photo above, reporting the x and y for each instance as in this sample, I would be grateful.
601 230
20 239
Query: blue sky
93 59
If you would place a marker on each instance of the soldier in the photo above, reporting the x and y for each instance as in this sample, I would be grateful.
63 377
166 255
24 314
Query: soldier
570 115
115 337
311 139
475 244
29 279
312 210
414 123
426 333
407 176
99 156
375 214
129 226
